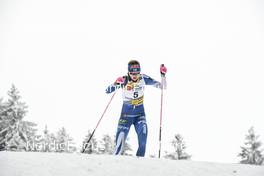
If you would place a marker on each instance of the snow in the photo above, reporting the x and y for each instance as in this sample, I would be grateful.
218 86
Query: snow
63 164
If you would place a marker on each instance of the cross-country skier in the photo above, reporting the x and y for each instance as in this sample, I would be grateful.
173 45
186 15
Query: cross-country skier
133 85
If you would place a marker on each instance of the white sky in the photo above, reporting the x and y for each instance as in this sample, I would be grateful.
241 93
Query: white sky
62 54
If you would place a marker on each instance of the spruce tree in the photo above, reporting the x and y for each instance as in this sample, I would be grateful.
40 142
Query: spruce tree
14 132
30 131
47 142
180 147
4 123
107 145
64 143
91 147
251 152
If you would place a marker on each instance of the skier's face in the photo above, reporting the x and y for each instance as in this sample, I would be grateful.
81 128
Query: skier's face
134 75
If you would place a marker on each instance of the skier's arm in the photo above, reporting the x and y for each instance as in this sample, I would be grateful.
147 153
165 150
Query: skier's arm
119 83
149 81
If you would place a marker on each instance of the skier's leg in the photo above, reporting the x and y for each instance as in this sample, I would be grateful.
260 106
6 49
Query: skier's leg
142 133
121 134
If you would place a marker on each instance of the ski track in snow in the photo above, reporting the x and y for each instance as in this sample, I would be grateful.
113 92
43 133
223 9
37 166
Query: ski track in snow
63 164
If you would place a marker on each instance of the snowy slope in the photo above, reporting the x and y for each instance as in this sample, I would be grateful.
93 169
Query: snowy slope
54 164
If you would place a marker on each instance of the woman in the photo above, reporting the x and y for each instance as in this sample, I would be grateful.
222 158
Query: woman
133 112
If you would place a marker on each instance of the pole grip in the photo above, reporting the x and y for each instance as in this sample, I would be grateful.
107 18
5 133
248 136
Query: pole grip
162 74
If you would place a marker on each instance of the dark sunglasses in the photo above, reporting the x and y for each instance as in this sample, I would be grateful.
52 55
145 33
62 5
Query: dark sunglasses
134 73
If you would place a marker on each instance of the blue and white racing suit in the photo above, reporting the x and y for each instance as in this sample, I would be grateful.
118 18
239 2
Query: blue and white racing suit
133 111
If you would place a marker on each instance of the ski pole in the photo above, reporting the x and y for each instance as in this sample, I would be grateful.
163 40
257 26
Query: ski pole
89 139
161 106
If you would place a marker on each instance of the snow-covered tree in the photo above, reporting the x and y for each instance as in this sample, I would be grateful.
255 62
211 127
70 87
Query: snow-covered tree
14 132
64 143
180 147
30 131
251 152
46 140
3 125
107 145
45 143
91 147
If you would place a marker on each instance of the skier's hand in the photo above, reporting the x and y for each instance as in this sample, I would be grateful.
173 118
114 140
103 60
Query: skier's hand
120 80
163 69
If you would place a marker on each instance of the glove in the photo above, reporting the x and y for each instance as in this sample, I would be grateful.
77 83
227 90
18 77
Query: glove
163 70
120 80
